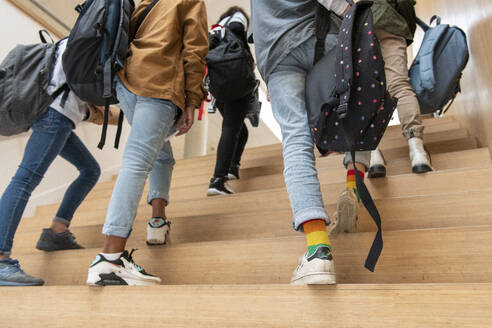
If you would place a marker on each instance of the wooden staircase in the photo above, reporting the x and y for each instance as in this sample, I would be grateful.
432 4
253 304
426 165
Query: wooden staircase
230 258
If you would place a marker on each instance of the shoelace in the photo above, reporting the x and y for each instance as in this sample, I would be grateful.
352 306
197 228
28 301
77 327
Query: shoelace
70 236
13 267
130 259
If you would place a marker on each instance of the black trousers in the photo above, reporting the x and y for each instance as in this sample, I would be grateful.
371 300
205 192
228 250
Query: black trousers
234 135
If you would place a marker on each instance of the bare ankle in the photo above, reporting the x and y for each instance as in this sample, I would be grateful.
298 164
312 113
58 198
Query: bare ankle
114 244
58 227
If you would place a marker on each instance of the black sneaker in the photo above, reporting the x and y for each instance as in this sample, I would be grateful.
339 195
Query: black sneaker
233 173
219 186
51 241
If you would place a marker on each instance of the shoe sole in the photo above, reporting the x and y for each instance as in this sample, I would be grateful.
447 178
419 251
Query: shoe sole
50 249
423 168
155 242
346 216
19 284
216 192
113 279
318 278
377 171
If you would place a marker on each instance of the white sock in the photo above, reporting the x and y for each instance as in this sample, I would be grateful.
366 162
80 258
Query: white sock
111 256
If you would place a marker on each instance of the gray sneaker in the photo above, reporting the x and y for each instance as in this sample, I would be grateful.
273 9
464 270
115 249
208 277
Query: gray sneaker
51 241
12 275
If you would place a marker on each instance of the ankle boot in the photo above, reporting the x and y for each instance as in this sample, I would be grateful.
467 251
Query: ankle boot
419 157
377 168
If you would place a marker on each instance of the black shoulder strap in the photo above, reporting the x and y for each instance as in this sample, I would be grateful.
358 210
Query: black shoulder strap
322 26
142 17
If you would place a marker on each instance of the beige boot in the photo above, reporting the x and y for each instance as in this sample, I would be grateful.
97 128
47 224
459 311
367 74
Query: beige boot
377 168
419 157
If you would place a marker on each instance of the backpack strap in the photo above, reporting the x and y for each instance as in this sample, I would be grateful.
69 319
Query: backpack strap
62 89
118 131
141 18
44 32
426 56
344 75
322 26
422 24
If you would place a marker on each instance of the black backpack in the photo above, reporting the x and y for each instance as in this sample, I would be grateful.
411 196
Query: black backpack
24 78
97 49
348 105
230 67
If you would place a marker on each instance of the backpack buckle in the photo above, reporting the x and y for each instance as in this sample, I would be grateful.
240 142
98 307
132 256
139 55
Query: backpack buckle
342 110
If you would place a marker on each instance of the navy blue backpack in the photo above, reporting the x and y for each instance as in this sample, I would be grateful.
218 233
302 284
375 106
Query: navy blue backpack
436 71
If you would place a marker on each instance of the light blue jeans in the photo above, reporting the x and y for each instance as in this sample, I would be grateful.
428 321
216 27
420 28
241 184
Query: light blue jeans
286 87
145 152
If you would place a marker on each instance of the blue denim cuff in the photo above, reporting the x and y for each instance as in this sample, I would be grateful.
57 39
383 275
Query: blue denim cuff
122 232
157 195
5 253
307 215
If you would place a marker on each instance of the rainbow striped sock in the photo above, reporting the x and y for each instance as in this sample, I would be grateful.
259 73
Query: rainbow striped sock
316 235
351 181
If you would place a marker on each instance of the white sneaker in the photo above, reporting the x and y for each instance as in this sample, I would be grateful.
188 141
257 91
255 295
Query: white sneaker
418 156
346 214
158 231
377 167
122 271
317 269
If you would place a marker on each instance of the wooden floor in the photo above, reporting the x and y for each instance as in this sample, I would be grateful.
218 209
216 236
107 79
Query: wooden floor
230 258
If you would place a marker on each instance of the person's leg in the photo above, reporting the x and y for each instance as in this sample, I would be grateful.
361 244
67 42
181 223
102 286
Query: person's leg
58 237
49 135
151 121
394 51
286 87
238 153
159 184
233 118
348 201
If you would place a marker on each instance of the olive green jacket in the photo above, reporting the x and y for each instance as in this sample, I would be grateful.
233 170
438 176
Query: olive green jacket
387 18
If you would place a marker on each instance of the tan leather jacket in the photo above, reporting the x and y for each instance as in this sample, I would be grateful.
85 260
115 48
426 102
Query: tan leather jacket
167 57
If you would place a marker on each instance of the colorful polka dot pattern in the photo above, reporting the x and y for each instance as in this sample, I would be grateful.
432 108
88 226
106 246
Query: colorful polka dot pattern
360 68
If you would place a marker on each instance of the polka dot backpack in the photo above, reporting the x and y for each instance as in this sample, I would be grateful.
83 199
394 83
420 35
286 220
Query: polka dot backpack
348 105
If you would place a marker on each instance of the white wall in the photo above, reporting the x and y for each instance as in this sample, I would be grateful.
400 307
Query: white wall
17 28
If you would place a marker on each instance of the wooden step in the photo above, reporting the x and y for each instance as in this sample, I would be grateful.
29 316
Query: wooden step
420 212
392 186
331 165
381 306
255 155
423 305
277 199
453 255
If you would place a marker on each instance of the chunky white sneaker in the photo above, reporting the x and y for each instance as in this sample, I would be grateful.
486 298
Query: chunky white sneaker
346 214
158 231
317 269
419 157
377 167
122 271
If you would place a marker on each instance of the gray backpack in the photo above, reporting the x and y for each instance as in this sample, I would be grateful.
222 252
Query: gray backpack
436 71
24 78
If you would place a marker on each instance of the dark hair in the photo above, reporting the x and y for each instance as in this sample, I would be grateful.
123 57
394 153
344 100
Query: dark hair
231 11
